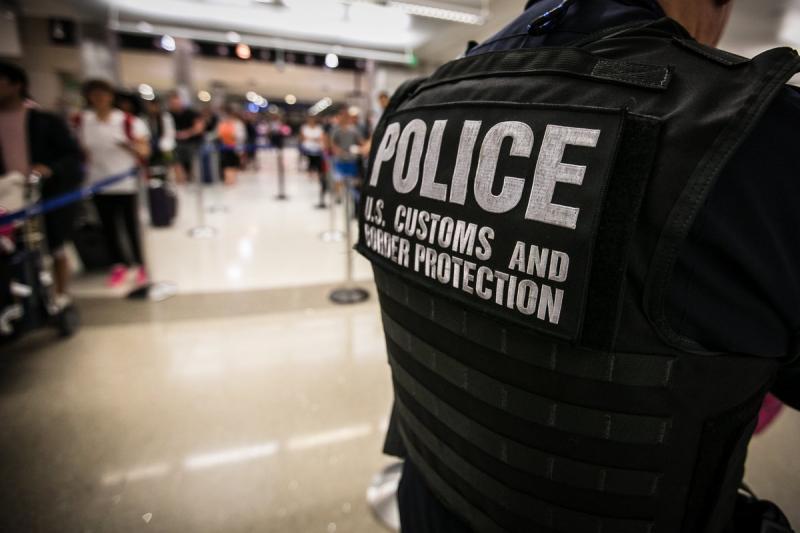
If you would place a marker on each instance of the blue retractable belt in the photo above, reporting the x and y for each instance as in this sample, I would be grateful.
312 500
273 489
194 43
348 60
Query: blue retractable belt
84 192
65 199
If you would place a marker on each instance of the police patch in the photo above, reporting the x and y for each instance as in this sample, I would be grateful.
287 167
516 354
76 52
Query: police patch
494 205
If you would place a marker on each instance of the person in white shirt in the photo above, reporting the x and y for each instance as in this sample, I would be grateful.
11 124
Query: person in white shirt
115 142
312 141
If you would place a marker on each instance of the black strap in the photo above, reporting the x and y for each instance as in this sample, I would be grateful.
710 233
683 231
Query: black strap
567 61
783 63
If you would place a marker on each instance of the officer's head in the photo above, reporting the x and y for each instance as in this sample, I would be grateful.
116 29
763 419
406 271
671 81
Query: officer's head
13 83
704 19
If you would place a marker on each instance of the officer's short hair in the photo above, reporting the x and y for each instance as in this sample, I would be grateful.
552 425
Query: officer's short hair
15 75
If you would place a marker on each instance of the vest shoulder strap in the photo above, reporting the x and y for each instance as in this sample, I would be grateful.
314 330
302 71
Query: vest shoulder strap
772 70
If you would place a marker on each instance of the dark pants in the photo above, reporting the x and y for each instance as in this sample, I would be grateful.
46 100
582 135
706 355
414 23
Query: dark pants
119 214
420 510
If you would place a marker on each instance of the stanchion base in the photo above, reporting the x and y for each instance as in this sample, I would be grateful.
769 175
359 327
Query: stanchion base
281 197
348 296
202 232
382 496
320 206
157 291
217 209
332 236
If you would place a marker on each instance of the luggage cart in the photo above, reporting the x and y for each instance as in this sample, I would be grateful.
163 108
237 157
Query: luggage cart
27 300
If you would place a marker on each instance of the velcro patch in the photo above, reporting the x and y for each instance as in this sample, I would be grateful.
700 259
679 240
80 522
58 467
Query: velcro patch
496 206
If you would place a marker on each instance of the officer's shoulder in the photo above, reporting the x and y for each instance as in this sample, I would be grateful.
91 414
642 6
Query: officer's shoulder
781 121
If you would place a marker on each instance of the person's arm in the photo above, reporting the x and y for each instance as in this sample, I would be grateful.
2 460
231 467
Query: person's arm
139 143
240 132
167 141
197 128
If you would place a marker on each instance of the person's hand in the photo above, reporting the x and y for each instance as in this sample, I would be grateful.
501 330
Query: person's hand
43 170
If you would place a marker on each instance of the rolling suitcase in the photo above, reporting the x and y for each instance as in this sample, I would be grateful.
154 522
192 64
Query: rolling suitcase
161 198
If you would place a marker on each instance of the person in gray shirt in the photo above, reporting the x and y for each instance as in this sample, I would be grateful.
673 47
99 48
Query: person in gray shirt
346 145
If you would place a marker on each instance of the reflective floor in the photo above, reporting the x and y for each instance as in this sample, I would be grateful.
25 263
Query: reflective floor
245 403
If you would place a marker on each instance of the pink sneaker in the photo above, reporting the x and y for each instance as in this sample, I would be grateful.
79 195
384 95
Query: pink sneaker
117 276
141 276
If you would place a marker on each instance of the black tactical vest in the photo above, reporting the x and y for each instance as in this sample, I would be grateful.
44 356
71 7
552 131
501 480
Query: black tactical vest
523 211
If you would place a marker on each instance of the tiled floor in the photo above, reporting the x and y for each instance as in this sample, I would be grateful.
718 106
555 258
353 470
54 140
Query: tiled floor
246 403
269 422
260 242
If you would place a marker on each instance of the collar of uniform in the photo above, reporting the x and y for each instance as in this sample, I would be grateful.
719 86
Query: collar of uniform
651 4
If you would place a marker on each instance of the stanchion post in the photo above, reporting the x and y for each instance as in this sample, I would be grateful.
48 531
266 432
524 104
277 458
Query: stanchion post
201 230
281 176
332 234
348 293
382 496
219 205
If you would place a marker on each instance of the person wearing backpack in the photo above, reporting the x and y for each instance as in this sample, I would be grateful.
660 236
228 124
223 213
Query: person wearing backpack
115 142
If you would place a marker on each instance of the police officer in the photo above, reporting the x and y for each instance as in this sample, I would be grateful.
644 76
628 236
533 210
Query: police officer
584 239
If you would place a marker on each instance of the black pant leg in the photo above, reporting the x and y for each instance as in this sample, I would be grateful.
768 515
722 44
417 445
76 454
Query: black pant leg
109 218
420 510
129 207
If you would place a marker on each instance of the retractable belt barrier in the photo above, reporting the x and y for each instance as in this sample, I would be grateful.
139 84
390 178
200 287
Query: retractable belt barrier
51 204
56 202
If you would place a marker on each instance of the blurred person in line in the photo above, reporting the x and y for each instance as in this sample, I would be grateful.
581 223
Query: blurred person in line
210 119
346 144
383 102
250 159
278 132
114 142
231 133
35 141
189 128
312 141
128 102
162 133
132 105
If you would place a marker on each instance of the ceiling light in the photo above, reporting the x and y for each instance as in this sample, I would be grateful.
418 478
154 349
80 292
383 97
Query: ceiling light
331 60
242 51
291 99
145 89
233 37
441 13
204 96
320 106
168 43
